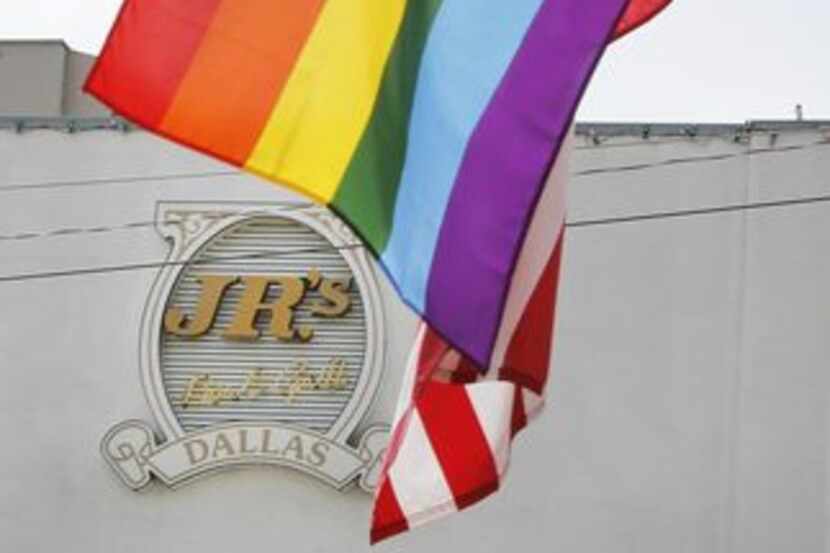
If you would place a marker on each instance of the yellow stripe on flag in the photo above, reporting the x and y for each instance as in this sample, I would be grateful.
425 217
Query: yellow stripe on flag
320 117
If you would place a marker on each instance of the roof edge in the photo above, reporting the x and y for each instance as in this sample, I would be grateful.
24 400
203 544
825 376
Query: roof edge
35 42
599 129
691 130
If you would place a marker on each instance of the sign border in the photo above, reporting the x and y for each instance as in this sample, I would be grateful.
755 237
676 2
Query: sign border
189 227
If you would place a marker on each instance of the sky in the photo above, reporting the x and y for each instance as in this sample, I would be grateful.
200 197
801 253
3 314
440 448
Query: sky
700 61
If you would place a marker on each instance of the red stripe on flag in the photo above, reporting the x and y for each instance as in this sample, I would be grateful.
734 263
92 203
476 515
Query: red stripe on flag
433 350
147 55
458 442
519 420
637 13
388 518
466 373
527 360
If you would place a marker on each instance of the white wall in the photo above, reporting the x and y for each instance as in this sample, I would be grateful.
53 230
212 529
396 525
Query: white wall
44 78
688 406
32 77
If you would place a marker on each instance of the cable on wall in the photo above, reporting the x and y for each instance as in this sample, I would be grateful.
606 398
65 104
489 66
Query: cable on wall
270 254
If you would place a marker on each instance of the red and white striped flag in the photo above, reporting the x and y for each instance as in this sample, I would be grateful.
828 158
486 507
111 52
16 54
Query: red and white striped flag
453 430
455 423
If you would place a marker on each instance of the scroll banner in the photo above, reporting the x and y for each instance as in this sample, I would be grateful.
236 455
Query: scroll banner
131 450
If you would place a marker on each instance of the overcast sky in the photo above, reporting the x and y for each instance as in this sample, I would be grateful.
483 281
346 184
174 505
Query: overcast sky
701 60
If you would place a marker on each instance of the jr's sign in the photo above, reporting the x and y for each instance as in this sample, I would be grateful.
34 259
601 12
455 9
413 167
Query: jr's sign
261 344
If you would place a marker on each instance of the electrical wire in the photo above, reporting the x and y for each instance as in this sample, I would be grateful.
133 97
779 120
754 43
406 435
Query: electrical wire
699 159
265 254
147 224
73 231
271 254
115 180
699 211
19 187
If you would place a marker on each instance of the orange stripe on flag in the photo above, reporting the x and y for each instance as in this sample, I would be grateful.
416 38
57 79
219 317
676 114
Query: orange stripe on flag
238 73
148 53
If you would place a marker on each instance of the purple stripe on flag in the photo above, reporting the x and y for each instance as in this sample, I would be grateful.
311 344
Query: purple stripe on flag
505 167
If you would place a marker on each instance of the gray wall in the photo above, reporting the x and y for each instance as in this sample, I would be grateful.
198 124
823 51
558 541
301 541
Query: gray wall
44 78
688 408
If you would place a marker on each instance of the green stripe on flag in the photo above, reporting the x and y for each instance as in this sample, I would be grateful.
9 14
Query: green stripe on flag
367 194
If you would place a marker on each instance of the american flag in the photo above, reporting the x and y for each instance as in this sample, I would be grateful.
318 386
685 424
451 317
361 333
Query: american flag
455 423
453 430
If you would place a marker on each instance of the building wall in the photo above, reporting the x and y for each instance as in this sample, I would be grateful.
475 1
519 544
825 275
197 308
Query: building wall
689 402
44 78
32 78
75 102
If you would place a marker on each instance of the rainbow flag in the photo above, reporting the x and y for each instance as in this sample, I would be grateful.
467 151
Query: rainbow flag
428 125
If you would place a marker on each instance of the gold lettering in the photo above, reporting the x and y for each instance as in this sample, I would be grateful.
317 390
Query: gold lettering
256 385
336 292
213 289
301 381
202 391
243 327
314 278
214 395
193 395
333 377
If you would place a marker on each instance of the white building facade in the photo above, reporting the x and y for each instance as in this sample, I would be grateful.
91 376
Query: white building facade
688 408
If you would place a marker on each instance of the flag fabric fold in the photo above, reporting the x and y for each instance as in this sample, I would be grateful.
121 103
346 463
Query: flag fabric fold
431 127
427 125
638 13
451 440
455 423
